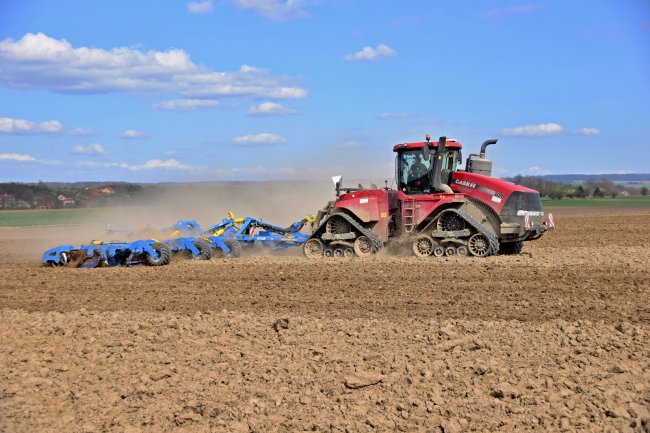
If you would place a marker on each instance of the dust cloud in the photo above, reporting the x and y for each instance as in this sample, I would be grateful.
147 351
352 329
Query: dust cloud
276 202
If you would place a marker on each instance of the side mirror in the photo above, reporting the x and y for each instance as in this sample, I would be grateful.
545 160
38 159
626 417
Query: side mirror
426 152
337 184
459 159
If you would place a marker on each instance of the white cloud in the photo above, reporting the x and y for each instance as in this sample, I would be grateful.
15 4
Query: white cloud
200 7
270 109
262 138
541 130
91 149
37 61
22 126
369 53
168 164
133 134
587 131
186 104
536 171
390 116
152 164
277 10
513 10
16 157
81 132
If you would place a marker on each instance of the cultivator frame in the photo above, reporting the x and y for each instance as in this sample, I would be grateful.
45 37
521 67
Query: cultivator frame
225 239
97 254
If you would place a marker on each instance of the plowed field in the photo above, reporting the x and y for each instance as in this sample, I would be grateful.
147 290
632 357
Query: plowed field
554 339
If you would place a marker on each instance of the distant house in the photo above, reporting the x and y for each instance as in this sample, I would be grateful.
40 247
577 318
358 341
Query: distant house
98 192
42 202
7 201
65 201
624 194
22 204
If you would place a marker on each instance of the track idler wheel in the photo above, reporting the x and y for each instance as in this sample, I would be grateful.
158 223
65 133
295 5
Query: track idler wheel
363 246
313 248
478 245
423 246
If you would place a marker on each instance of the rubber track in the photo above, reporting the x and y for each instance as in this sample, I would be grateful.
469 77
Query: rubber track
376 240
492 239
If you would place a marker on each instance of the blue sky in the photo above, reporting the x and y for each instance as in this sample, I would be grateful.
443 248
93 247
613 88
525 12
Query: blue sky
155 91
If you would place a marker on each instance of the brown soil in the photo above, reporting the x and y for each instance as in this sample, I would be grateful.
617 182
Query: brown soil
555 339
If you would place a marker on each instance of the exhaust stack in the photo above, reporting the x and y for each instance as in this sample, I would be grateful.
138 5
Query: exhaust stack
479 164
485 144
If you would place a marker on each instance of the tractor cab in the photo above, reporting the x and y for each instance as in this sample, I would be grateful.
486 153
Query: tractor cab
414 168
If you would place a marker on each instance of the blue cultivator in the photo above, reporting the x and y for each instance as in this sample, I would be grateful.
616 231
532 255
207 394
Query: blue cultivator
97 254
225 239
253 232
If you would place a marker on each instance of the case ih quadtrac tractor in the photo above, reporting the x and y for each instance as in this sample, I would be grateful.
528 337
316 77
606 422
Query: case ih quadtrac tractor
436 208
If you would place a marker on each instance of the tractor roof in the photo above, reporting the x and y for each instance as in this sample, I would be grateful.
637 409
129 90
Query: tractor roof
450 144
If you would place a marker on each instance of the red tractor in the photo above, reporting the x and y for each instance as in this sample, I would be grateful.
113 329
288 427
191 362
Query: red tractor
437 209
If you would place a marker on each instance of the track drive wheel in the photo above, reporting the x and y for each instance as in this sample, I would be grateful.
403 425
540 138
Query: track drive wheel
363 246
205 252
234 246
313 248
423 246
337 225
511 247
449 221
478 245
164 255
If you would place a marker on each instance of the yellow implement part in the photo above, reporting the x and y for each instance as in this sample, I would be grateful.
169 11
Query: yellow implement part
230 215
218 232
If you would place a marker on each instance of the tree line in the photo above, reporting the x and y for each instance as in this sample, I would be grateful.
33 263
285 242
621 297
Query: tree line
15 195
590 188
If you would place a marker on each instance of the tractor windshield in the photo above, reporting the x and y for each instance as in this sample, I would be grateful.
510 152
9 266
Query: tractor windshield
413 172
